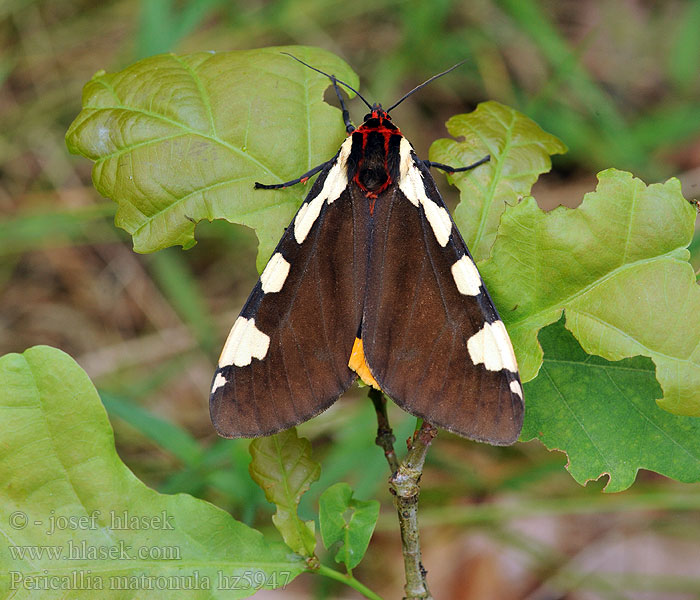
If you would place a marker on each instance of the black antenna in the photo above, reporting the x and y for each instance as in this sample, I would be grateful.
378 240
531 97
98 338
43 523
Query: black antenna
334 78
422 85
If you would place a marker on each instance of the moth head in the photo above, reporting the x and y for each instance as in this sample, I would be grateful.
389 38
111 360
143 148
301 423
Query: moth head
377 113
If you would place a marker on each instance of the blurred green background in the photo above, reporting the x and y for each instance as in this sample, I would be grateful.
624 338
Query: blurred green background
618 82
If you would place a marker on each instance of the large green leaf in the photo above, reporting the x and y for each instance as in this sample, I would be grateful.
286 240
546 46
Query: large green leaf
64 487
619 266
519 151
347 523
603 415
283 467
178 139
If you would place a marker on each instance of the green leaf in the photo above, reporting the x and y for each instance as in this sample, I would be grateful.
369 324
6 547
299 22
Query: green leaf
63 487
603 415
178 139
282 466
619 266
519 151
347 522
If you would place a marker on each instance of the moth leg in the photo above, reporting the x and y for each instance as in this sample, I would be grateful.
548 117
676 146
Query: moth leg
303 179
448 169
349 127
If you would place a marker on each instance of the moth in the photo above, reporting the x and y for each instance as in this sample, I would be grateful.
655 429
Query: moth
370 279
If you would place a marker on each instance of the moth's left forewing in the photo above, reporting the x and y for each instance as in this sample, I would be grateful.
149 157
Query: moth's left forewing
286 357
432 337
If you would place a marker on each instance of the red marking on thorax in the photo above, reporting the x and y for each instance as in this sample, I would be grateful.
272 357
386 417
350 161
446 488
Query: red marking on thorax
386 133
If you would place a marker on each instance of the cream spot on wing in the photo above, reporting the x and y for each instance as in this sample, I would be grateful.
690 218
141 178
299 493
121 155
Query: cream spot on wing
491 346
410 180
339 181
300 215
219 381
243 343
439 220
336 181
306 217
411 184
275 274
516 389
466 276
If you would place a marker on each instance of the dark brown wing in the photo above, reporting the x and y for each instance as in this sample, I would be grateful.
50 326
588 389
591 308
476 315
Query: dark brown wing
310 323
417 325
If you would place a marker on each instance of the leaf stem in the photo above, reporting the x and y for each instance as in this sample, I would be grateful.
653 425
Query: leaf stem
349 580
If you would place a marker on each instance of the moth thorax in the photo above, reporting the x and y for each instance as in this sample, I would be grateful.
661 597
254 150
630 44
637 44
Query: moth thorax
372 179
373 150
